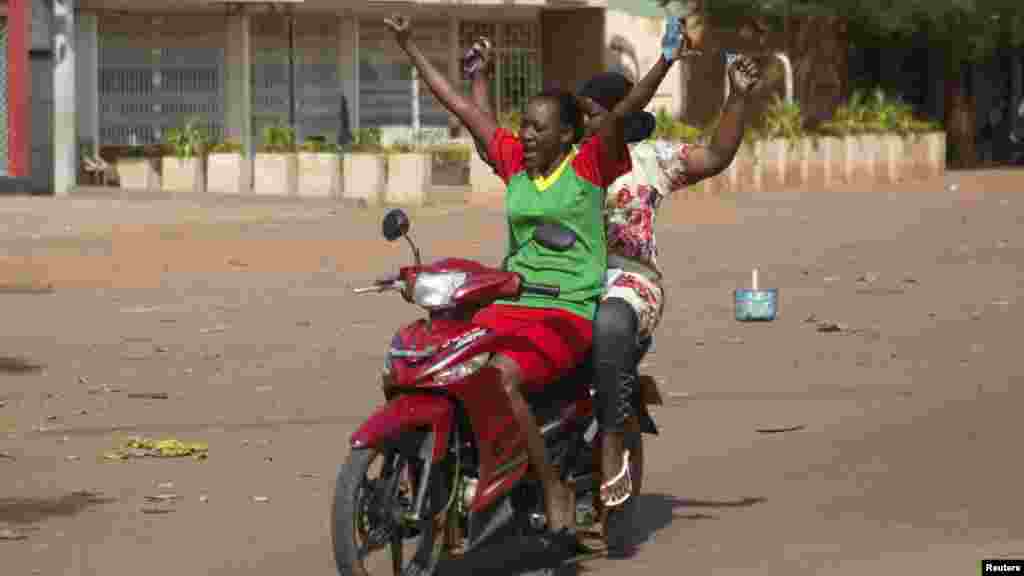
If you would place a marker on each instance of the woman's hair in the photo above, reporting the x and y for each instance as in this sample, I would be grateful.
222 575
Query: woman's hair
569 112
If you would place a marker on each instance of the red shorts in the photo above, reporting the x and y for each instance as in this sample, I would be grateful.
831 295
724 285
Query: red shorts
544 342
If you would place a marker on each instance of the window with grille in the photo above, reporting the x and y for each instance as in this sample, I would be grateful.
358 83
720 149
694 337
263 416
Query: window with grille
385 75
517 73
156 73
317 87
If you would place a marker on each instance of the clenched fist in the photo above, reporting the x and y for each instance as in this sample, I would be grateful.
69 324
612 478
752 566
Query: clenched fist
744 75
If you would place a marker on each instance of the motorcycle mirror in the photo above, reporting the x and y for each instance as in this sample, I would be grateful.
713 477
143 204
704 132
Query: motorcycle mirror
395 225
554 236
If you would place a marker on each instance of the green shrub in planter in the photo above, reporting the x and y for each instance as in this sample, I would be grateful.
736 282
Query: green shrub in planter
783 121
364 167
226 147
451 153
278 139
275 169
225 169
366 141
319 145
319 168
183 170
668 128
188 141
401 147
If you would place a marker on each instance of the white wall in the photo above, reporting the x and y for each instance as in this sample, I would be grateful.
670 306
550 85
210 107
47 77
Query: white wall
641 36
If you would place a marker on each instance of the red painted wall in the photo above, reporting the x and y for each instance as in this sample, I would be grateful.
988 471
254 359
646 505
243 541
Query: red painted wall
18 86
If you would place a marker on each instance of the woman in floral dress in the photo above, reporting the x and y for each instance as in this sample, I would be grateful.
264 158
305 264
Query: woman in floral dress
632 305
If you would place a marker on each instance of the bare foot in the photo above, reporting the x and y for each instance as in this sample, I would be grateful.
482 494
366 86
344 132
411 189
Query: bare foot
612 447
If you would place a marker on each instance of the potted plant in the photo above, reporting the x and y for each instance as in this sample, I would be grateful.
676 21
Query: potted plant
319 168
921 151
408 173
183 170
852 125
364 167
275 171
449 172
137 167
225 172
781 155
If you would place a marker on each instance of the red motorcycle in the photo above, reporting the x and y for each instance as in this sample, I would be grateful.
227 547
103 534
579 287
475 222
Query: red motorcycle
441 466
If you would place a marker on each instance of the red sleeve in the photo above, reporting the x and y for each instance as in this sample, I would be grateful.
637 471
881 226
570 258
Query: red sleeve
593 163
506 151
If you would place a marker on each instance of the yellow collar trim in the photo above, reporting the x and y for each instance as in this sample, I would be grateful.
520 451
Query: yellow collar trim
544 182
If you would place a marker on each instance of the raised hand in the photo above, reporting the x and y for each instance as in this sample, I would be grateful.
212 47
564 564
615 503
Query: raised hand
684 36
400 27
486 48
744 75
478 59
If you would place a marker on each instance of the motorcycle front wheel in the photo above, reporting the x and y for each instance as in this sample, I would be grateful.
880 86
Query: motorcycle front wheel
372 512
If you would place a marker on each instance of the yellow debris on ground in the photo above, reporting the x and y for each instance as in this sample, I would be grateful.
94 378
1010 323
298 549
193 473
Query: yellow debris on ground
166 448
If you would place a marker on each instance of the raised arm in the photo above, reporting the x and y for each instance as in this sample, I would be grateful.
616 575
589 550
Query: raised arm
706 161
480 125
480 93
677 43
612 128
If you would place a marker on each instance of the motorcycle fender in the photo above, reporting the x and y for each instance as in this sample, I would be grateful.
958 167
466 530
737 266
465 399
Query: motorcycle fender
404 414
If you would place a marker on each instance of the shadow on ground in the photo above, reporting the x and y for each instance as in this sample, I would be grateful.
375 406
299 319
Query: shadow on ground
32 510
18 365
513 555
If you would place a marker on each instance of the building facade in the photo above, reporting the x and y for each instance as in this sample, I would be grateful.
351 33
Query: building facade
103 73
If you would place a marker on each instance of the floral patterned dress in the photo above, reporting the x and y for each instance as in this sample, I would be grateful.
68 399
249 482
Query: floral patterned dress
631 206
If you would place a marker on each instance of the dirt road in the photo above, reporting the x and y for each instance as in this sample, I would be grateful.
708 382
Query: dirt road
906 456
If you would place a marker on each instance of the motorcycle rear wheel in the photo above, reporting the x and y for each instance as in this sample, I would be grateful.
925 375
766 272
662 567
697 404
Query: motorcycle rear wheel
369 515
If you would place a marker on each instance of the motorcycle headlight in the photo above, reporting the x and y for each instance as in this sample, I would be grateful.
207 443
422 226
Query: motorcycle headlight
435 290
462 369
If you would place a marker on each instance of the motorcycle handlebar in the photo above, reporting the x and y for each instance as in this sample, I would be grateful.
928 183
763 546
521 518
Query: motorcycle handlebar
380 287
541 289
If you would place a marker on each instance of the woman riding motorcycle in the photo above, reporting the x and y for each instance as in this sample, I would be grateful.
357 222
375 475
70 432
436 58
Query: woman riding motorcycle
632 304
547 179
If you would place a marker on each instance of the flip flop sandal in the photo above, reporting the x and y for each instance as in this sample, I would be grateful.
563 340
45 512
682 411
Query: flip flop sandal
617 491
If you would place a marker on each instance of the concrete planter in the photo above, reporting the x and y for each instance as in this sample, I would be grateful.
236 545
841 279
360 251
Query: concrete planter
275 174
225 173
773 160
835 159
860 158
183 174
891 165
929 153
319 175
486 186
138 173
408 179
744 173
363 176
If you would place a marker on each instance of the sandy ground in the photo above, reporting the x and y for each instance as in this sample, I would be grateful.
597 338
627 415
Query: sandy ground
906 456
